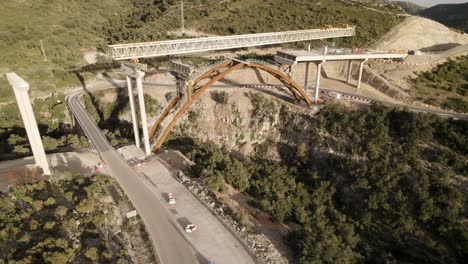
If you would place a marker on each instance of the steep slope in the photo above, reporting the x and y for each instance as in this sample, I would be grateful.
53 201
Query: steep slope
409 7
418 33
451 15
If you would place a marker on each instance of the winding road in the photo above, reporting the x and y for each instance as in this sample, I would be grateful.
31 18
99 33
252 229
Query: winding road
164 224
169 243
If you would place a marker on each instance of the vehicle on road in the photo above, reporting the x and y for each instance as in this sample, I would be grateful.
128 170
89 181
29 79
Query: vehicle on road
190 228
171 199
135 163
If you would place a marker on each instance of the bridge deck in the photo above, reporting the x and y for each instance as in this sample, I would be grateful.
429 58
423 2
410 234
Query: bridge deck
291 57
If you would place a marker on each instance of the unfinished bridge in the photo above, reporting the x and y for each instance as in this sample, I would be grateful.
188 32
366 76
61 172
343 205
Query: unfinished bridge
189 89
190 85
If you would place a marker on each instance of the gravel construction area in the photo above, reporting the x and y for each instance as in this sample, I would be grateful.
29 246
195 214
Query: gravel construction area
23 170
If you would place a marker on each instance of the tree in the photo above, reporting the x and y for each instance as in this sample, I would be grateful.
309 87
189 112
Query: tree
50 201
15 139
73 140
20 150
220 97
49 143
61 211
237 175
92 254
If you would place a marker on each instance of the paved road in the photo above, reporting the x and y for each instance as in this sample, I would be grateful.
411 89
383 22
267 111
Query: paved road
170 244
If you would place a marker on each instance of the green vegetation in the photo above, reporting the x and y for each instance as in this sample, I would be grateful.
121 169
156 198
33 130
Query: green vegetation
108 113
66 28
61 221
244 16
220 97
375 185
53 122
445 86
409 7
451 15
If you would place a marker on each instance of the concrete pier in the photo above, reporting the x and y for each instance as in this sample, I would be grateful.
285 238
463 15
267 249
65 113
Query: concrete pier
21 88
350 67
306 81
361 67
144 123
132 109
317 82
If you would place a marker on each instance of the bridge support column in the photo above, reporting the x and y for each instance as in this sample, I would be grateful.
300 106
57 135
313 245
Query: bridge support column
361 67
306 78
317 82
20 88
132 110
141 100
350 65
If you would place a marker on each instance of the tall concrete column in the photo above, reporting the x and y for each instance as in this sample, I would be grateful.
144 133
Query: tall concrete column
20 88
132 109
306 78
317 82
141 100
361 67
350 65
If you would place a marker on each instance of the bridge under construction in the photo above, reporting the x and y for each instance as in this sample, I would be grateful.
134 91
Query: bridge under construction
184 46
319 57
189 88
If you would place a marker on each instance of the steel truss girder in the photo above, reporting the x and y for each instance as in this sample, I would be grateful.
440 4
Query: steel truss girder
182 46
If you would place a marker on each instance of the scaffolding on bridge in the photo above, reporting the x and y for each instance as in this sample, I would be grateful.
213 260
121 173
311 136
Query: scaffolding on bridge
182 46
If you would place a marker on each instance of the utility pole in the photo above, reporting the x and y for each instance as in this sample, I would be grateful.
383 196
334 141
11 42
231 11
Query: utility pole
182 15
43 51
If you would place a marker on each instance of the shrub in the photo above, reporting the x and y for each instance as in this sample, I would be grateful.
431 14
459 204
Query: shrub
220 97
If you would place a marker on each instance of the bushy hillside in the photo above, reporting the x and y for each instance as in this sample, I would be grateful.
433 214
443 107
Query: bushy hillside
445 86
409 7
65 27
247 16
451 15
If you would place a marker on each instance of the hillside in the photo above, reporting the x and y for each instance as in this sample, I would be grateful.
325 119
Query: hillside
68 28
446 85
418 33
451 15
246 16
409 7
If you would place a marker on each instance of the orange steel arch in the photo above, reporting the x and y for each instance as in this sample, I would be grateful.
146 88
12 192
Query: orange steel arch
213 75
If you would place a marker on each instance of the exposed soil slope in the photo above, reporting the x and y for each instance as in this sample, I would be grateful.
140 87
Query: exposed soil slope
417 33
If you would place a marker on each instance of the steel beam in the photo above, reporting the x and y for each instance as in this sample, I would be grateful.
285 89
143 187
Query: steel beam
182 46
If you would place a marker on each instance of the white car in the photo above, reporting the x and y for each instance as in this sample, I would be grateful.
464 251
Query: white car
171 200
190 228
